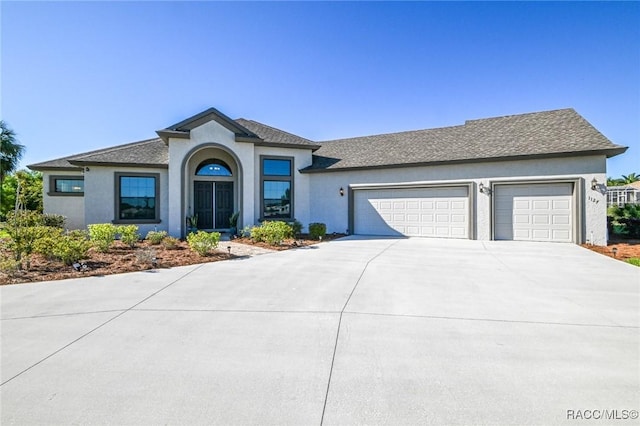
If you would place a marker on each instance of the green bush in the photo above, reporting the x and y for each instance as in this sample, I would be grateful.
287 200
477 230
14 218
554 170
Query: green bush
624 220
296 228
128 234
156 237
203 242
72 247
272 233
317 230
102 235
634 261
25 228
246 231
54 220
45 245
67 248
170 243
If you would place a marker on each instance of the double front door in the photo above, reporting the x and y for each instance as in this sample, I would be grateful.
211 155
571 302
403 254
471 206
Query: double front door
213 203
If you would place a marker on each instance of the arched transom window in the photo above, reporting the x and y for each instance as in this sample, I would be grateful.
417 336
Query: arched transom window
213 168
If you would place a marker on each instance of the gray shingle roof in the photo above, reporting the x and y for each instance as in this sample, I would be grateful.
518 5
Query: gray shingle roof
545 133
271 135
548 133
146 153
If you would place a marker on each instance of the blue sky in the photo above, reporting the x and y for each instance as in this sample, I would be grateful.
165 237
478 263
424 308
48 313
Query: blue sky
78 76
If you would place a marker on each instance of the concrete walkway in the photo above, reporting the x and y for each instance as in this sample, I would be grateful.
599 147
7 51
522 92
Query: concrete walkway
354 331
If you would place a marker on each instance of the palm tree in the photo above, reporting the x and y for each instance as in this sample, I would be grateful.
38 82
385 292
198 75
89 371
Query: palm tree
630 178
10 150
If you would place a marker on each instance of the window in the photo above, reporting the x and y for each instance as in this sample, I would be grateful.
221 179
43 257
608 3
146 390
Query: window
137 198
213 168
276 179
66 185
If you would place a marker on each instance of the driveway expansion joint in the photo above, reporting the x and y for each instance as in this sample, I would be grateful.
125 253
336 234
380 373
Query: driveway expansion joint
99 326
335 347
63 315
492 320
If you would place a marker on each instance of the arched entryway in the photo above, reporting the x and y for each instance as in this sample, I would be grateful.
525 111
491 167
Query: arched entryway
213 188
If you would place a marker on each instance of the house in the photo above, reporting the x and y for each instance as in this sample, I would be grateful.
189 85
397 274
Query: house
537 176
623 195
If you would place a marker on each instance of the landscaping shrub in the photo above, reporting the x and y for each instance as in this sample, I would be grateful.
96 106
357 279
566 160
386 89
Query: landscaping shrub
296 228
72 247
102 235
317 230
170 243
246 231
624 220
54 220
128 234
45 245
272 233
25 228
8 265
634 261
146 256
67 248
156 237
203 242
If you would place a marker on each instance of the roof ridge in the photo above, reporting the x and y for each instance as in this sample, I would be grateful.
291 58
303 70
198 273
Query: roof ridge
392 133
474 120
112 148
274 128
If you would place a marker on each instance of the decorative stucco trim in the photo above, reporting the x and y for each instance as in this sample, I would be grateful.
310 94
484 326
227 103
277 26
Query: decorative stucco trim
184 180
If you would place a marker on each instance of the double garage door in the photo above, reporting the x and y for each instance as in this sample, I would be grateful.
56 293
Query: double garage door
529 212
415 212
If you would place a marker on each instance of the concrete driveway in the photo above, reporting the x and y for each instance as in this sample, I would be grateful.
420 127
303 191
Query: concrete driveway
355 331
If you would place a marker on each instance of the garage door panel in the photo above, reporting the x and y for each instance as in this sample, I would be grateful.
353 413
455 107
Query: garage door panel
541 204
413 212
534 212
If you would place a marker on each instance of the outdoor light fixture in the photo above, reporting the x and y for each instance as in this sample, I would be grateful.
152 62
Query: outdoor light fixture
594 184
229 248
483 189
341 192
615 251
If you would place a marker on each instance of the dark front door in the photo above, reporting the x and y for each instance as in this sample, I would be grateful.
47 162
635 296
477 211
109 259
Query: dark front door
203 202
224 204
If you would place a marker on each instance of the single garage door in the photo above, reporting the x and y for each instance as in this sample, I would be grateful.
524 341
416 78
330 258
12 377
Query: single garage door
420 212
534 212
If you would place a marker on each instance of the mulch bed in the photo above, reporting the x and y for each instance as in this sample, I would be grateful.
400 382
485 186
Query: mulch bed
122 258
626 249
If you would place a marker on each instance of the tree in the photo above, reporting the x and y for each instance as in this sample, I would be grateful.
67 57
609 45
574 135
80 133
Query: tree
30 195
10 150
630 178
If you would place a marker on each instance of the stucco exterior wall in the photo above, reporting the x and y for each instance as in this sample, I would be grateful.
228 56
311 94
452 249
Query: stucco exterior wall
329 207
100 196
70 206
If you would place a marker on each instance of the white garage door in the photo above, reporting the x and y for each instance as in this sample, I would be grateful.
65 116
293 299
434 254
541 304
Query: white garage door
534 212
419 212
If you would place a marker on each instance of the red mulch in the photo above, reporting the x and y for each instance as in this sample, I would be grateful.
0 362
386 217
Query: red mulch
626 249
122 258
